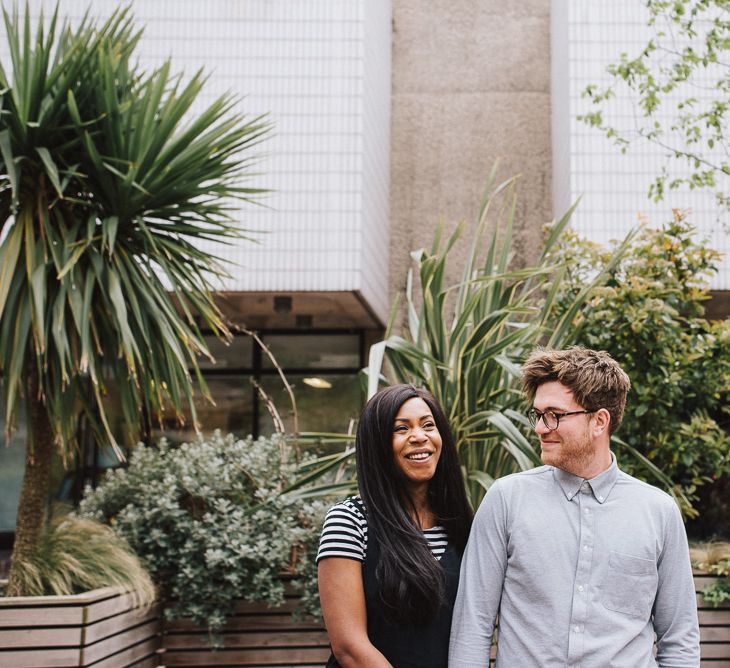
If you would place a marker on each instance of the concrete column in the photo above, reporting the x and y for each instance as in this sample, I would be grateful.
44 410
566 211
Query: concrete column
471 83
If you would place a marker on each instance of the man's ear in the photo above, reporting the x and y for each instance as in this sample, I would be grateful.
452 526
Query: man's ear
601 421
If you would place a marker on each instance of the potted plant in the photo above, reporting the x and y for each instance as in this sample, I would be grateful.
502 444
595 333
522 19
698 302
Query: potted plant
222 540
88 597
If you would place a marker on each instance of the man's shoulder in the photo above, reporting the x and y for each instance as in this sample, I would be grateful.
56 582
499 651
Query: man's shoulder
524 478
644 491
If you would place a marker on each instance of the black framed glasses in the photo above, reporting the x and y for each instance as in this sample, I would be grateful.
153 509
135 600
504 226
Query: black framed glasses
551 419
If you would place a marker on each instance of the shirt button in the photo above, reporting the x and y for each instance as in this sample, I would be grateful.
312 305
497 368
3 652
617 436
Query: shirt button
580 587
600 498
587 511
576 629
585 548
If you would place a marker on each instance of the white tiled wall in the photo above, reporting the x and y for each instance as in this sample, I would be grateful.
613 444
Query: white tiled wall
321 70
588 35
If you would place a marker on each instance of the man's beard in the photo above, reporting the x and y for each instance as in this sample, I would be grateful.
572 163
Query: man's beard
572 455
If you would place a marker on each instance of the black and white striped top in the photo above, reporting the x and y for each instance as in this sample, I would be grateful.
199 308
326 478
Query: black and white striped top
345 534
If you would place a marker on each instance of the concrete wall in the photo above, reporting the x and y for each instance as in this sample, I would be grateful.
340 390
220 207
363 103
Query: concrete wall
471 83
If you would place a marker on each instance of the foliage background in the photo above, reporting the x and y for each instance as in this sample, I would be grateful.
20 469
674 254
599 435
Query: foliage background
649 316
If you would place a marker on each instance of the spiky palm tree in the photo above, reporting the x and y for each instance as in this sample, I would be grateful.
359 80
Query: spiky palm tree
107 189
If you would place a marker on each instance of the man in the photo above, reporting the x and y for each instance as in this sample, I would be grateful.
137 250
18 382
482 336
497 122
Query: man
582 562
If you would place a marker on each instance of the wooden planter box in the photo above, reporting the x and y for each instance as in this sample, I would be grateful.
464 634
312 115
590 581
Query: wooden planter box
255 636
258 636
714 628
99 628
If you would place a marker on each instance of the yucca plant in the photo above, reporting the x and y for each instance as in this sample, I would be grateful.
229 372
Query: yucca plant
465 342
108 189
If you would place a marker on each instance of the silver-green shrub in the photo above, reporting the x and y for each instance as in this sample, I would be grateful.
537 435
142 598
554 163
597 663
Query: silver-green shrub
209 521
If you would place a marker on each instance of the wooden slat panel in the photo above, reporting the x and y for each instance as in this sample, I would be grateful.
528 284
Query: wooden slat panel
37 617
57 622
66 600
701 581
146 650
111 606
716 617
715 634
118 623
41 637
715 640
16 612
48 658
247 623
149 662
253 657
715 651
251 640
117 643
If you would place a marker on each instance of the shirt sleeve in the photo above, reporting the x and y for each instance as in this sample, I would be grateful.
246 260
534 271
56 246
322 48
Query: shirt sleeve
344 533
483 570
675 606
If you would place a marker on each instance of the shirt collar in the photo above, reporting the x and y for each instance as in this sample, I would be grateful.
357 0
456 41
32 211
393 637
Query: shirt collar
601 485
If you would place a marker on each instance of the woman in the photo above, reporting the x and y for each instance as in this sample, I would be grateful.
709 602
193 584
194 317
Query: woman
389 559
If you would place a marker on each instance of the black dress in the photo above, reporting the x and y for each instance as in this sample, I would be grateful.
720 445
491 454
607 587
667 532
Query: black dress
406 646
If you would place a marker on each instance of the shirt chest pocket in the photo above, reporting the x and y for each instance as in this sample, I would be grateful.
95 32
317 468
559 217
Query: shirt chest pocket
630 585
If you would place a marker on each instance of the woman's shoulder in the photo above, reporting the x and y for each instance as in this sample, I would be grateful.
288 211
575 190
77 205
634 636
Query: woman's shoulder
351 507
345 531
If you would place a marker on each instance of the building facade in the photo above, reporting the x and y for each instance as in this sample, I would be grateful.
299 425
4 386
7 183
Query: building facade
387 118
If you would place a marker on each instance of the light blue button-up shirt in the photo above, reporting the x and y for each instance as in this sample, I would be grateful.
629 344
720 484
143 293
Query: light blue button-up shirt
582 573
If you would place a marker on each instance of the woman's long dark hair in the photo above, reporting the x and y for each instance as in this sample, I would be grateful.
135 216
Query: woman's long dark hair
411 581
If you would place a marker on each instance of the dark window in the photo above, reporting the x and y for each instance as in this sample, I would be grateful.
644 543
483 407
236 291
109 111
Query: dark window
321 368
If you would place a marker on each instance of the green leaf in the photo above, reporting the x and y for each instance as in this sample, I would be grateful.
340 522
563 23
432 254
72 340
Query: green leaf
10 253
6 151
51 169
480 477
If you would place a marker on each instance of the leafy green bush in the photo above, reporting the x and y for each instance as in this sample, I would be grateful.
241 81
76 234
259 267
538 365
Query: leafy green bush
211 523
649 316
76 555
